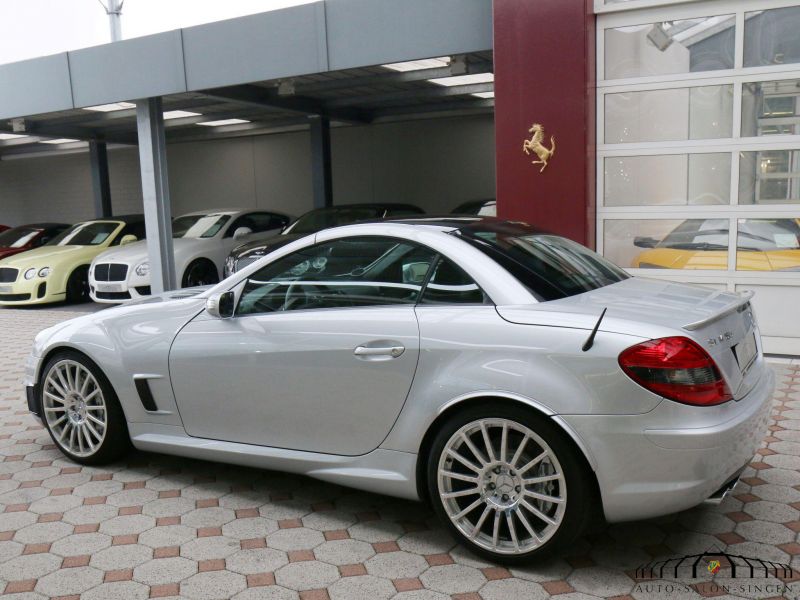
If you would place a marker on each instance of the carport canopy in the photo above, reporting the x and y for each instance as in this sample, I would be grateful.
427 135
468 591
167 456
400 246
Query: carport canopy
329 62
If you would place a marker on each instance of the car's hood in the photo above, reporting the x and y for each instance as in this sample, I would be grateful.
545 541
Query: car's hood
637 306
260 247
136 253
50 254
5 252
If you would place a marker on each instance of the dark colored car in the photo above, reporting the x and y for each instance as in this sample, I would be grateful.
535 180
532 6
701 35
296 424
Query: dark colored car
27 237
484 208
4 227
312 222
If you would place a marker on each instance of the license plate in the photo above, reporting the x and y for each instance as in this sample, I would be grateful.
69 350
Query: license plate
110 287
745 352
5 289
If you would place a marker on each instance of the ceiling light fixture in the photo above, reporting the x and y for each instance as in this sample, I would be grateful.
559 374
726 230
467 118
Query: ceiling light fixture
464 79
417 65
179 114
59 141
11 136
111 107
222 122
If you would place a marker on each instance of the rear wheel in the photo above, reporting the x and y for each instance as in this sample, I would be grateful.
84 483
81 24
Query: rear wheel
81 410
78 285
507 483
200 272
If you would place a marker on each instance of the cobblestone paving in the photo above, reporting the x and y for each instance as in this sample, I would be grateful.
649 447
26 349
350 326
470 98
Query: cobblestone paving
156 526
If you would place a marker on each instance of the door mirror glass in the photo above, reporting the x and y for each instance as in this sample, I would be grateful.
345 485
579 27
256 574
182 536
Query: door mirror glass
241 232
221 305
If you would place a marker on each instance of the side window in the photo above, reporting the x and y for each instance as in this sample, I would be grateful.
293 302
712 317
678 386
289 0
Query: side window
264 222
449 284
343 273
278 221
243 221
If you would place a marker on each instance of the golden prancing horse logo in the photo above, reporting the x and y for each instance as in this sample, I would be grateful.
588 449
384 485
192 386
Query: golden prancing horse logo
536 146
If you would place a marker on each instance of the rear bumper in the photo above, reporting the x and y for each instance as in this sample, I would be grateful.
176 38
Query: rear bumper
648 467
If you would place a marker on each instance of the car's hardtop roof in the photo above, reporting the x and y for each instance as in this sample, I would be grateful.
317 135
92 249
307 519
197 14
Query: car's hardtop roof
471 224
41 225
384 205
127 219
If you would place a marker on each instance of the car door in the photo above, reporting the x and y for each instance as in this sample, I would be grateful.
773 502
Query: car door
319 356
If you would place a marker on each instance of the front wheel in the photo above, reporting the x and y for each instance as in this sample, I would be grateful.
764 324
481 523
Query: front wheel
200 272
507 483
81 410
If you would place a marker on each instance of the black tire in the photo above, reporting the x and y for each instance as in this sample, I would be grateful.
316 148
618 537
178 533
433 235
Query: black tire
200 272
577 481
78 286
116 439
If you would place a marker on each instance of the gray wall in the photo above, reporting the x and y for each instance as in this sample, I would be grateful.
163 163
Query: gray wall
433 163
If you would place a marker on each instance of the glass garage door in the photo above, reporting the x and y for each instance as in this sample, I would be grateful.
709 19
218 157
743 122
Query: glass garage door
698 110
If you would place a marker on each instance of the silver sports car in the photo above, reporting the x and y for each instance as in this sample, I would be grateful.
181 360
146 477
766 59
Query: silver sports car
516 380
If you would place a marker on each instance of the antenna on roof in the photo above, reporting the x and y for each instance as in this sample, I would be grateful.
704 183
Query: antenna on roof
113 9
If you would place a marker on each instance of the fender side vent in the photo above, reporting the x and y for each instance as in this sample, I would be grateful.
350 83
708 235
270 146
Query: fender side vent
145 395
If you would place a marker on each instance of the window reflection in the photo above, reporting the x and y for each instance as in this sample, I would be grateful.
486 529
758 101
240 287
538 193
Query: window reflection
769 177
771 108
770 37
684 46
768 245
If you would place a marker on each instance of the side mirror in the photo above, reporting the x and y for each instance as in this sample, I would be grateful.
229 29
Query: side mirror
241 232
645 242
221 305
128 239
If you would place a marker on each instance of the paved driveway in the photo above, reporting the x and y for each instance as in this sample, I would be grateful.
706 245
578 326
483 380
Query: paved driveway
157 526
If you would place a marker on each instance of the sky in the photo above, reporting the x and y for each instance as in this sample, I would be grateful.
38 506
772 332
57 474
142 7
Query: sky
34 28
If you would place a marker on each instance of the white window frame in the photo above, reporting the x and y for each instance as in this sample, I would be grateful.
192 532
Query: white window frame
637 12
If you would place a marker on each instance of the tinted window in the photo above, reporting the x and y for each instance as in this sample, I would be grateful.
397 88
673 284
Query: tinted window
349 272
93 233
322 218
449 284
198 226
551 267
17 237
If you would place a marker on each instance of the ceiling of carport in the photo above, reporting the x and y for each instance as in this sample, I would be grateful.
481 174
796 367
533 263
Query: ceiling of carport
351 96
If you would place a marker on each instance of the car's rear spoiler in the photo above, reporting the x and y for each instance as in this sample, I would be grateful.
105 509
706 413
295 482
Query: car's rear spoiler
738 305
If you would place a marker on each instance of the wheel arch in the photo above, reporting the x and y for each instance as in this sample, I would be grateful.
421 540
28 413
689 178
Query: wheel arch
495 398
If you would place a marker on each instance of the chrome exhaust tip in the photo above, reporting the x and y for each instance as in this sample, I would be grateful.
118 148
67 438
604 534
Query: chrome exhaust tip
717 497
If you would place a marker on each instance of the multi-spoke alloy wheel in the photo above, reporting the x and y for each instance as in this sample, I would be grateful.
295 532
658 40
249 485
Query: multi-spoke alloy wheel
75 408
501 485
81 410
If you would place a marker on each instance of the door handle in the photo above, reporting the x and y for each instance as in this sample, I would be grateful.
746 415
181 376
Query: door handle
393 351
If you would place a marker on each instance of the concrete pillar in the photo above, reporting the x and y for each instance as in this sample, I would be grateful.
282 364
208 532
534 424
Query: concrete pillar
101 186
155 192
321 161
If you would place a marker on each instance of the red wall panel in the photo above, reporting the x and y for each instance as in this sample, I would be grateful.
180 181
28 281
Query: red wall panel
544 62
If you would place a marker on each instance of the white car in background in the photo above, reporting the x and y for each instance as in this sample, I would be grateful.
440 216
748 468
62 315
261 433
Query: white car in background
201 241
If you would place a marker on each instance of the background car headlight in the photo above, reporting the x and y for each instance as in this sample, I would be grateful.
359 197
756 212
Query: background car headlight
30 273
143 270
44 271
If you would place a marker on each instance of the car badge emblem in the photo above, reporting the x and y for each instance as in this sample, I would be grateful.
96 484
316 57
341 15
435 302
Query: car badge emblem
722 337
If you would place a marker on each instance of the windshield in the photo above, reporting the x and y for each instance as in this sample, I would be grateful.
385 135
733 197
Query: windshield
758 235
322 218
198 226
551 267
17 237
93 233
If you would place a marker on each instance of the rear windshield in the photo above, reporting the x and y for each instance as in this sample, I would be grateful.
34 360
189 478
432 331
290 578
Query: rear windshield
551 267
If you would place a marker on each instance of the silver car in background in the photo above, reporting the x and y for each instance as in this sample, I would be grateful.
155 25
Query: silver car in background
516 380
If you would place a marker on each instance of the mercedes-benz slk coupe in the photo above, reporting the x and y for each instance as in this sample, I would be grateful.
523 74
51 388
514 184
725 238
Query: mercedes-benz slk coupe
58 270
312 222
514 379
201 241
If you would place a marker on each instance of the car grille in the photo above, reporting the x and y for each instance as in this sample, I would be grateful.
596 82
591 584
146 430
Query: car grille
245 262
8 275
113 295
110 272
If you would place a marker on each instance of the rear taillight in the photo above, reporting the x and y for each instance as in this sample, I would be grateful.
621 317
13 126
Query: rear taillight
676 368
